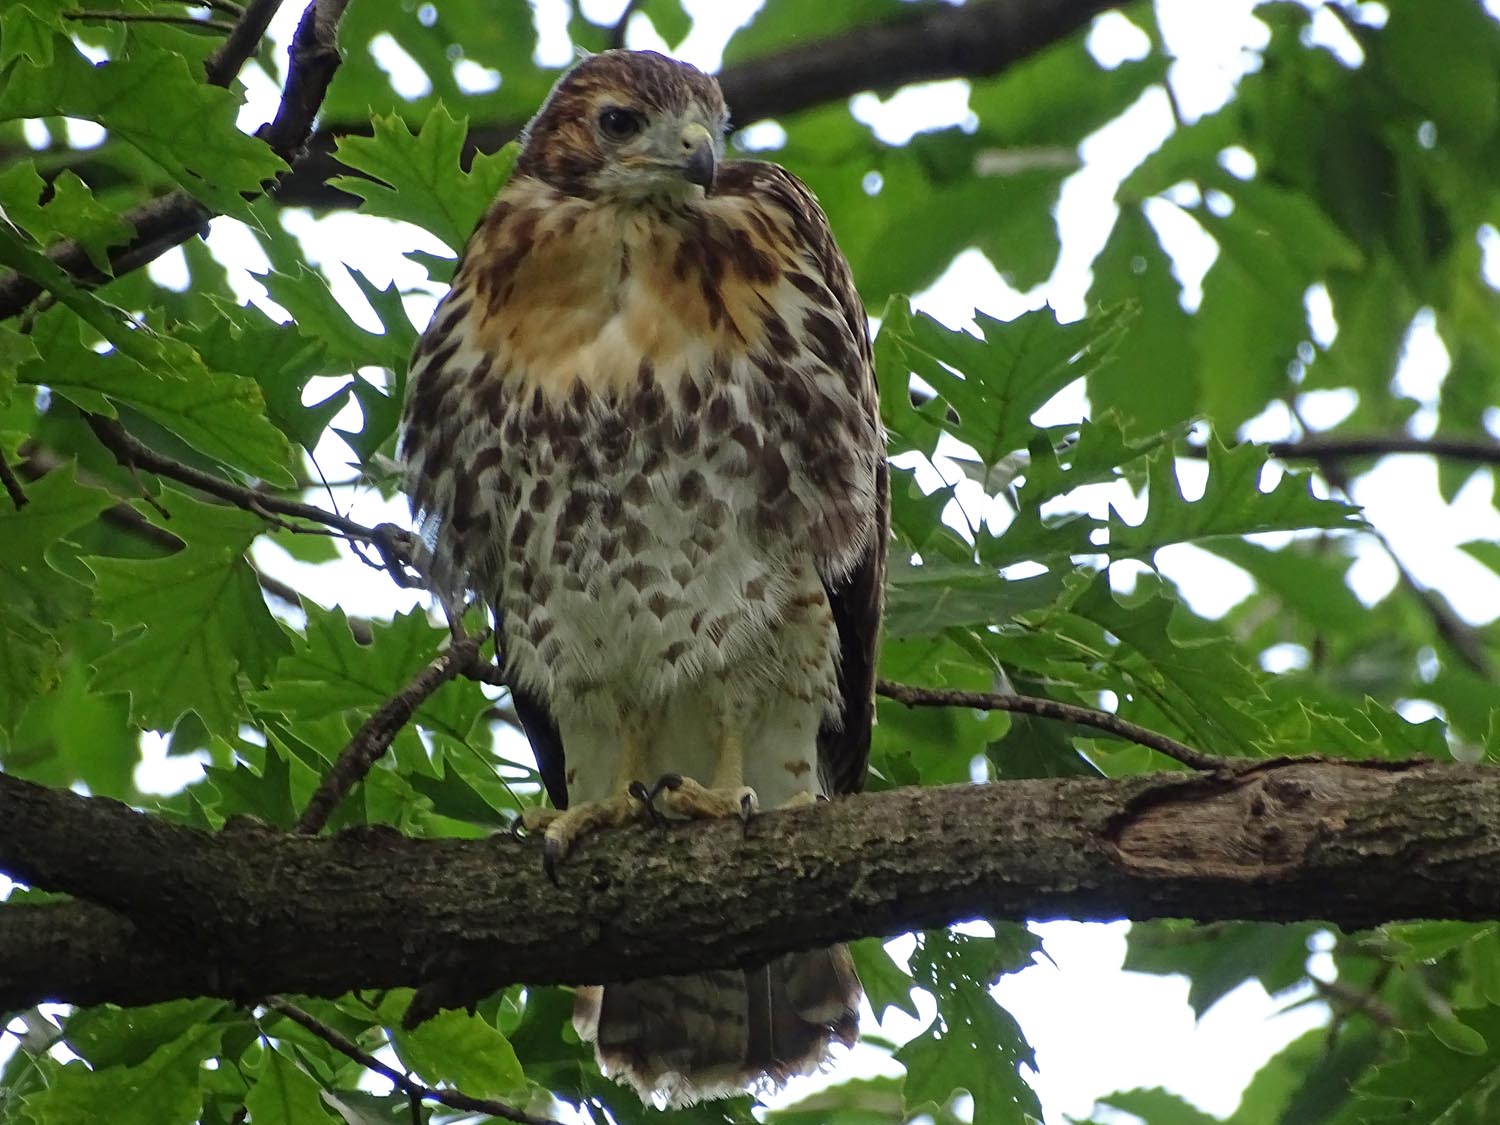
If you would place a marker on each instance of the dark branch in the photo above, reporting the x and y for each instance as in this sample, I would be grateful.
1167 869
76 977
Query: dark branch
396 545
1052 709
1335 447
374 737
403 1082
254 912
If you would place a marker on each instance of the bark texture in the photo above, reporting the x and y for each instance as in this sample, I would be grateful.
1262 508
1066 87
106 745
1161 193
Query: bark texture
168 911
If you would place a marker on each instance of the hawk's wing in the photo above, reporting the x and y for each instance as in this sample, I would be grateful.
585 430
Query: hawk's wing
857 596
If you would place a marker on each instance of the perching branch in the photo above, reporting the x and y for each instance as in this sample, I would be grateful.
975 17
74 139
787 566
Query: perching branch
173 911
1051 709
403 1082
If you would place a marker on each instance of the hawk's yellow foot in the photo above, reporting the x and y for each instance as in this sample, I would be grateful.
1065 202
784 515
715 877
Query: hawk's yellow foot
563 828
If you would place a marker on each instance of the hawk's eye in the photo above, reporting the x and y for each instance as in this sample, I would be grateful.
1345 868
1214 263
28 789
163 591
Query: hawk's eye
620 124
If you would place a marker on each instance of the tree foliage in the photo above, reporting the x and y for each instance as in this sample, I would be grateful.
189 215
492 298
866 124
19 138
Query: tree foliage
158 430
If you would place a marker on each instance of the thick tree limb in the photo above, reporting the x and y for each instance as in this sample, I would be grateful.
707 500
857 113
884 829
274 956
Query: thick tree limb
251 911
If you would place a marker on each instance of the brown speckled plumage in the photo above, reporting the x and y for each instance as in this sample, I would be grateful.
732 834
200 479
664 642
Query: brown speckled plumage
643 427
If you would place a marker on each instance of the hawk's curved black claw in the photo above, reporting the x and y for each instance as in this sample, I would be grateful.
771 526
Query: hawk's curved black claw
647 797
552 855
747 811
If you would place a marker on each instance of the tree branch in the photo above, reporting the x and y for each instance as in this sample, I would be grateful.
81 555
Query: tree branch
251 912
1336 447
1052 709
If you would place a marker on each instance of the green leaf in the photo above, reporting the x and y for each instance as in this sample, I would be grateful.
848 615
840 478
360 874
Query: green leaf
972 1044
71 211
284 1094
1219 958
886 984
938 595
157 104
1153 381
1158 1107
56 505
419 178
32 29
164 1089
1431 1081
462 1049
994 383
190 625
29 661
332 674
1232 504
222 415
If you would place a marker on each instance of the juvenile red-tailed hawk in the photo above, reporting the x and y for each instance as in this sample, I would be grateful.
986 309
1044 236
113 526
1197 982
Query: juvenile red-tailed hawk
643 426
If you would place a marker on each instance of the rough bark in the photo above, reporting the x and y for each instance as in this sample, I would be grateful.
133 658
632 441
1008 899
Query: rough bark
172 911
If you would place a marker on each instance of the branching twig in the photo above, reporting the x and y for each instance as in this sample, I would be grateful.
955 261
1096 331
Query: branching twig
1052 709
404 1082
380 729
396 545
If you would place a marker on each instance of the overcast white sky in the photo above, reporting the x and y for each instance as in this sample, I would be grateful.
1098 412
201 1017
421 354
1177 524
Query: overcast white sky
1095 1028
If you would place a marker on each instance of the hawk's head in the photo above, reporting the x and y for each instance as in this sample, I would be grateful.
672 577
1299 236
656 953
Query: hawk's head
628 125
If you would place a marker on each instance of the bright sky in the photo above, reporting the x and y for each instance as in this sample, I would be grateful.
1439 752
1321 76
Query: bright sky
1095 1028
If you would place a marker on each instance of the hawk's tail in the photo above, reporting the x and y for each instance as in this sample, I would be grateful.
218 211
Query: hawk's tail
711 1035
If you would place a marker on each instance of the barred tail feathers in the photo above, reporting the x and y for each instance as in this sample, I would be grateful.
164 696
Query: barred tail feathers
687 1039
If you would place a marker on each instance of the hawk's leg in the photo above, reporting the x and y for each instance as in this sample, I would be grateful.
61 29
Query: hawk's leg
627 804
682 798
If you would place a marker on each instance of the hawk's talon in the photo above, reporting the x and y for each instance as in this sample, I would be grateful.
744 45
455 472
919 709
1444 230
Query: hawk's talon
646 797
553 853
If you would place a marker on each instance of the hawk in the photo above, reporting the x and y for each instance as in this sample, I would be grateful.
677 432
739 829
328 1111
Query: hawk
643 428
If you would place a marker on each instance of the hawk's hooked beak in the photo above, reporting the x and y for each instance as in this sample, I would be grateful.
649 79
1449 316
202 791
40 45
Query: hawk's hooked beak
699 161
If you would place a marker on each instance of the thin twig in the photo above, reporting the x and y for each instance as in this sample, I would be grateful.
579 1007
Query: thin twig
380 729
152 17
395 545
13 487
1052 709
404 1082
228 7
1334 447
